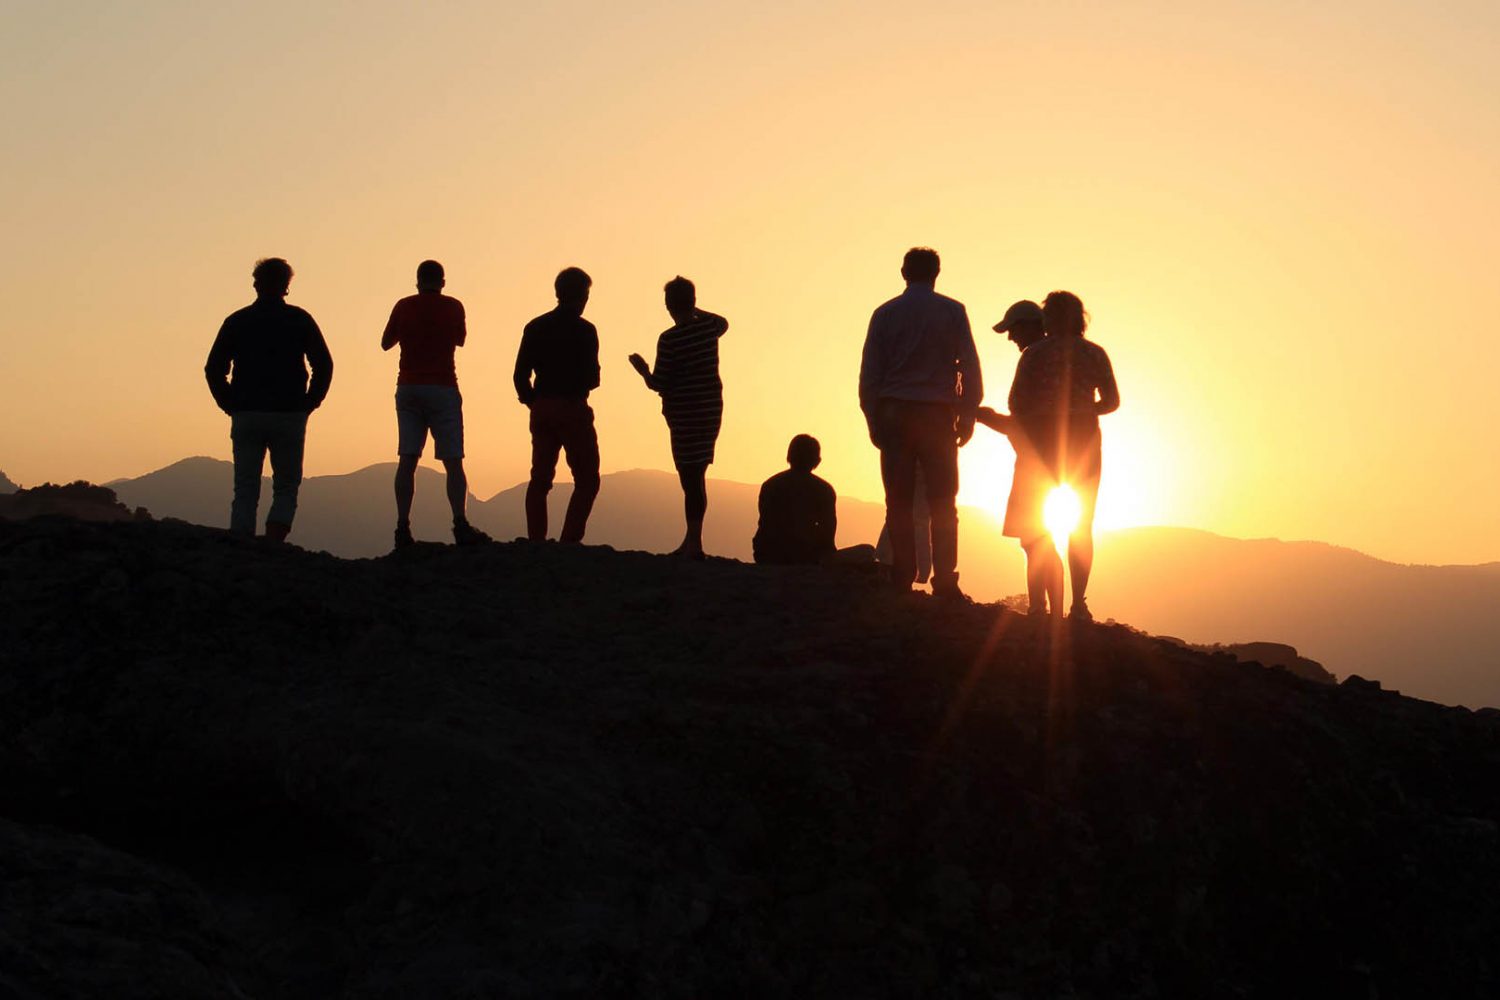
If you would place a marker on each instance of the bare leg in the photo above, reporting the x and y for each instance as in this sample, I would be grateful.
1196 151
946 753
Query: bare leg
406 487
458 488
694 506
1080 563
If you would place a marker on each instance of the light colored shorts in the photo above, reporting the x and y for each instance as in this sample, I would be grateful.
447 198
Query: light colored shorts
435 408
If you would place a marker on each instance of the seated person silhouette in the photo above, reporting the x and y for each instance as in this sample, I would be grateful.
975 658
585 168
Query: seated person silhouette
797 510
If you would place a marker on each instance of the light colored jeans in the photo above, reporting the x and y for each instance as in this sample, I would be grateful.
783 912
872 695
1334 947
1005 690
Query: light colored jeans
254 433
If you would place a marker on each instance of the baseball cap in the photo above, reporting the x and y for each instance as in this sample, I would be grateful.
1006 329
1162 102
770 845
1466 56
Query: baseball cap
1025 311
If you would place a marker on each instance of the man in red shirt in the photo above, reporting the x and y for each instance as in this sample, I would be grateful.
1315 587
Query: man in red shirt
429 326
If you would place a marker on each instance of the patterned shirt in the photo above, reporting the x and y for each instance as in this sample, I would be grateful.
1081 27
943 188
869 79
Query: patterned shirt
1062 376
686 372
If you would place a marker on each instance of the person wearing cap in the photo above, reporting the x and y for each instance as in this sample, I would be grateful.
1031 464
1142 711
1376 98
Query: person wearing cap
1063 385
1030 483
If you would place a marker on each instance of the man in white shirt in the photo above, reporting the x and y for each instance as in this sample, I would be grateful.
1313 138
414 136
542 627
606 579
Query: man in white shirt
919 385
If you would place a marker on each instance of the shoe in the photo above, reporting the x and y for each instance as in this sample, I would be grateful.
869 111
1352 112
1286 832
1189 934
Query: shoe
276 533
403 536
465 533
951 592
1081 612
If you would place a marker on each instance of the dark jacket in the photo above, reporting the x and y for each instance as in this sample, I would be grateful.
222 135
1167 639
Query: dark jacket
563 350
264 345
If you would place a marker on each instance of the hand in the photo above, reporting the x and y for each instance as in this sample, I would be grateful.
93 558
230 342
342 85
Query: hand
639 364
986 412
965 428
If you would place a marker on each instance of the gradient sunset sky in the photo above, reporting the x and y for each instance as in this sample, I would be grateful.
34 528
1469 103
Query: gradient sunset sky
1284 218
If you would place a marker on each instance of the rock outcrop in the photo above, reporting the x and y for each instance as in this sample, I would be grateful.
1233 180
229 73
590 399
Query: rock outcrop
81 501
229 769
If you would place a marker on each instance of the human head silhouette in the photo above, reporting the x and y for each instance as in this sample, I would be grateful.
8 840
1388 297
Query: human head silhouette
272 277
1064 315
804 454
430 277
681 297
572 286
1023 324
920 266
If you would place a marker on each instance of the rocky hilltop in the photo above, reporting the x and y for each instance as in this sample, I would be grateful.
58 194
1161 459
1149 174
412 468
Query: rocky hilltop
235 770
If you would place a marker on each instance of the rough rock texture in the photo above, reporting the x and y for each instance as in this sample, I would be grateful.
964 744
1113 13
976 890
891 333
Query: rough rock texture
231 769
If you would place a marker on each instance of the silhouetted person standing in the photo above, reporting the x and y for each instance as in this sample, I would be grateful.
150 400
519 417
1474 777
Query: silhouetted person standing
921 524
1063 385
919 385
257 371
798 510
429 327
1031 481
561 349
692 399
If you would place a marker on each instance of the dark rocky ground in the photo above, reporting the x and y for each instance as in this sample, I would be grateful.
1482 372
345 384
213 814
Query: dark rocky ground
231 770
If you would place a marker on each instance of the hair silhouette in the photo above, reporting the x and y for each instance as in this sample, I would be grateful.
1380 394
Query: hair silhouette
680 294
272 275
804 453
430 272
921 264
572 284
1063 313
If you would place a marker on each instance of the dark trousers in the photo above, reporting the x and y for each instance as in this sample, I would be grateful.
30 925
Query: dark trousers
254 433
920 436
565 425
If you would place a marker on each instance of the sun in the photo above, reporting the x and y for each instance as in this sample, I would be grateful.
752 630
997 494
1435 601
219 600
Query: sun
1061 513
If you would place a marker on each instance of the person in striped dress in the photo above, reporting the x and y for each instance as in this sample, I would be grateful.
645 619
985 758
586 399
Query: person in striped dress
686 374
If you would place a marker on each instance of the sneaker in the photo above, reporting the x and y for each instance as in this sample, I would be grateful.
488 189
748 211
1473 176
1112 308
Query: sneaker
1081 612
403 536
465 533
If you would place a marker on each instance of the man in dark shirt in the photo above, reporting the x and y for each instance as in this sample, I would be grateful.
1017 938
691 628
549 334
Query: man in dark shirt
257 375
798 516
429 326
561 349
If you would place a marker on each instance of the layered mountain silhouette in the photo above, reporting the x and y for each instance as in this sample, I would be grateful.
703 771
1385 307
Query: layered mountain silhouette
1429 631
230 769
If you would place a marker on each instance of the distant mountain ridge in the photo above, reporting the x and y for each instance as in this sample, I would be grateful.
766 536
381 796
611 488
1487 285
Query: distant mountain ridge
1430 631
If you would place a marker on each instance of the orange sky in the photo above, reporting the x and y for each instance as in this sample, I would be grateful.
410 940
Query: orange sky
1284 222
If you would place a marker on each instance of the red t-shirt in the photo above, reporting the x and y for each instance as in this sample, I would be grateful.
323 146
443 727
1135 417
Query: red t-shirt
428 326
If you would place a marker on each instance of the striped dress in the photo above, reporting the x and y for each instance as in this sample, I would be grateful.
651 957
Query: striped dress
692 397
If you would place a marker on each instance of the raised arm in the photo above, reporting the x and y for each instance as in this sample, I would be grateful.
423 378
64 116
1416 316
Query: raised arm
720 324
392 335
